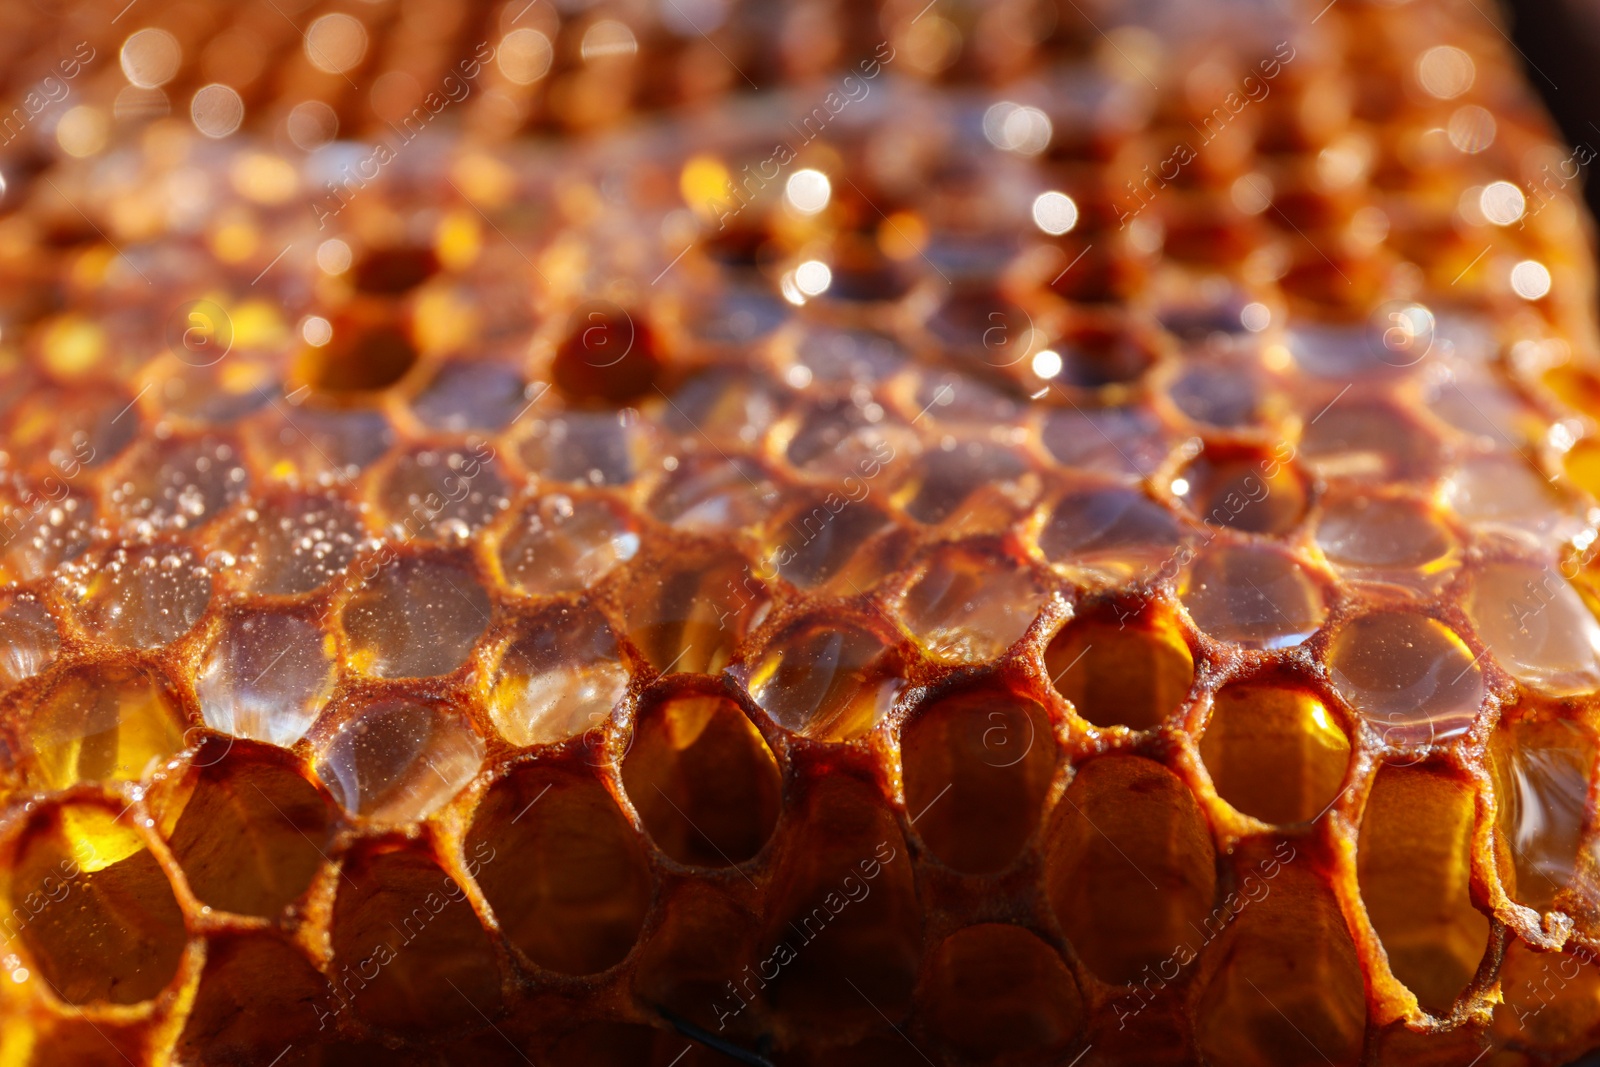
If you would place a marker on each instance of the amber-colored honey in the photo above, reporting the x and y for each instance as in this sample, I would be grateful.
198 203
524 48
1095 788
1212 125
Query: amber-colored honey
1016 533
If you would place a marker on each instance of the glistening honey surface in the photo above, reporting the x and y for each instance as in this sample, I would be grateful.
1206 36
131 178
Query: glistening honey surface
717 532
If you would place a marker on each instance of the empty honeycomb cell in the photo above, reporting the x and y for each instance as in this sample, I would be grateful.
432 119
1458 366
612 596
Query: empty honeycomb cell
370 349
712 497
1364 441
1409 676
996 993
993 751
843 939
294 544
1288 990
559 543
703 781
399 759
1541 771
394 269
1222 395
409 954
29 640
1257 493
1385 539
257 995
442 493
826 679
178 483
1537 627
560 675
1140 670
66 430
1100 354
967 607
847 441
1414 867
248 830
322 445
1274 751
415 617
689 614
562 869
145 596
1253 596
587 447
1116 531
266 677
1130 868
102 721
92 908
704 936
609 356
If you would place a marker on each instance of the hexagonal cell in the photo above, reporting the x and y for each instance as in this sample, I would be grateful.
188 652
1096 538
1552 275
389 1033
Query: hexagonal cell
828 540
319 445
702 779
39 532
848 440
1231 395
827 679
561 675
92 907
1549 996
1103 353
1118 668
561 543
1393 540
845 928
562 869
1414 865
1110 529
1289 990
941 481
472 395
1106 440
689 614
998 992
1505 491
1253 492
66 430
1537 626
29 640
442 493
247 829
1130 867
734 405
1410 676
1253 596
144 596
415 617
102 721
994 752
257 994
399 759
848 356
1274 752
609 356
409 954
266 677
294 544
715 496
587 448
370 350
1366 441
1542 770
179 482
969 606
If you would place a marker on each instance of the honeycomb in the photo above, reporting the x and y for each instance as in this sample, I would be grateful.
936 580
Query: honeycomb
711 532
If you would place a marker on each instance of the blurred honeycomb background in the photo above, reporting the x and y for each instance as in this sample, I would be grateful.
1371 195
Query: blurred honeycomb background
722 532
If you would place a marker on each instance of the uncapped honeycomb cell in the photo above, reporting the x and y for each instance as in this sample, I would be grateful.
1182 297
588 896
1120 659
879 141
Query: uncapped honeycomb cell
678 534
